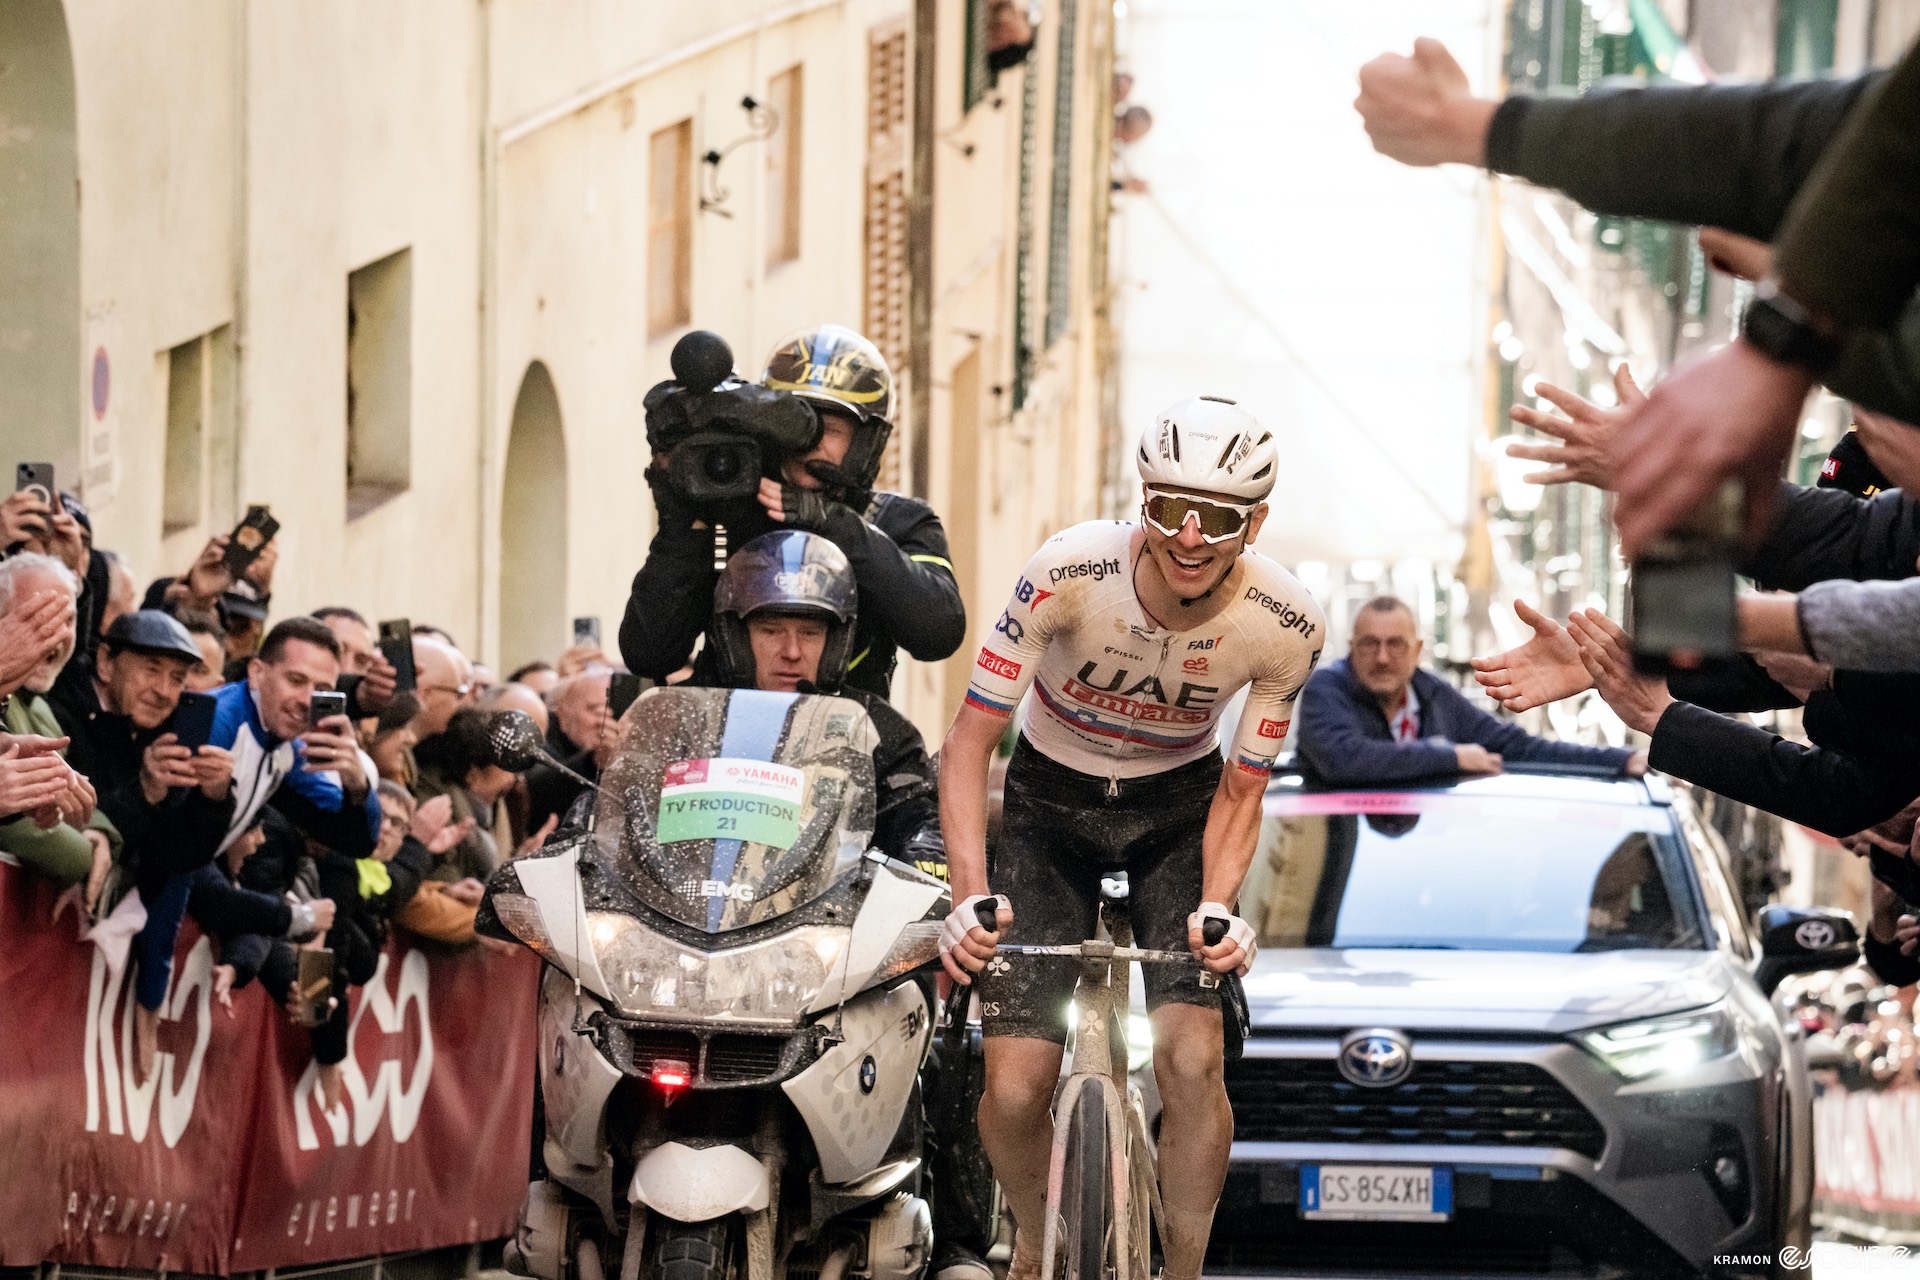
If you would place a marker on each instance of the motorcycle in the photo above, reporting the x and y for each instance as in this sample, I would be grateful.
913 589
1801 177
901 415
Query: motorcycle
734 1007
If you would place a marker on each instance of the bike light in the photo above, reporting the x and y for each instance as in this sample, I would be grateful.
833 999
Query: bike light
671 1074
769 983
918 944
521 915
1659 1046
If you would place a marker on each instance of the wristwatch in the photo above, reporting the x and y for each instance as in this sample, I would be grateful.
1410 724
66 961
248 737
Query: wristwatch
1781 329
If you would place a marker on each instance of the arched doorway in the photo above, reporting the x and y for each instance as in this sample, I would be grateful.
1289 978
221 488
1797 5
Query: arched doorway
533 527
39 238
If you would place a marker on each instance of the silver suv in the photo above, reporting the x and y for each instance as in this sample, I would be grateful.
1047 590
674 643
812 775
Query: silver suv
1515 1024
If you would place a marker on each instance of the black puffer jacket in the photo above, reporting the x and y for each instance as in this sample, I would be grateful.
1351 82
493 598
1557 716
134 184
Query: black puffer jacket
898 549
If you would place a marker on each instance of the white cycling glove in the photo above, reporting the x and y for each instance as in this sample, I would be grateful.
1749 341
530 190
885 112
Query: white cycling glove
963 918
1238 930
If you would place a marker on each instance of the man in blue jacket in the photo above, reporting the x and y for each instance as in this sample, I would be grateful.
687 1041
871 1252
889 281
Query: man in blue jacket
1375 717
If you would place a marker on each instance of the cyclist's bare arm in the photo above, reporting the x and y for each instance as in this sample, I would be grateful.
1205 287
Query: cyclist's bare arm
1226 851
965 758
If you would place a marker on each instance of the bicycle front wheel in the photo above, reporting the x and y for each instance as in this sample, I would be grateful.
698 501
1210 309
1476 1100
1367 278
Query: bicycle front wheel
1086 1200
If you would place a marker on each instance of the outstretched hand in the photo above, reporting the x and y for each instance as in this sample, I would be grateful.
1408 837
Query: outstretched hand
1585 452
1544 669
1419 110
1638 700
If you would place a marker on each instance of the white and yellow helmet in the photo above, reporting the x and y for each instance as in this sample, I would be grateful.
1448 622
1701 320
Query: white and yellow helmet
1209 444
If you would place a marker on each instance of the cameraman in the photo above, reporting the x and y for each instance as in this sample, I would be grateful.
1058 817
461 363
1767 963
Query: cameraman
908 597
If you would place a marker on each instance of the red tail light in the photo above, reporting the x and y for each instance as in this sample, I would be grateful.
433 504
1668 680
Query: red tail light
671 1074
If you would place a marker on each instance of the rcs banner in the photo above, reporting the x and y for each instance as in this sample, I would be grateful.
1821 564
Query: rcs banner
222 1158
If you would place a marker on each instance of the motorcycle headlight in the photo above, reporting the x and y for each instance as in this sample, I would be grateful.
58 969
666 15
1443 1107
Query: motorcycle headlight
771 982
1658 1046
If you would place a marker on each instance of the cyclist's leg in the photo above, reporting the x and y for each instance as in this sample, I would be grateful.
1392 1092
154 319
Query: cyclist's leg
1196 1127
1023 1000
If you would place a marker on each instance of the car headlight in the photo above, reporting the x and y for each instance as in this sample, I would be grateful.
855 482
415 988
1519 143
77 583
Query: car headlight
1657 1046
767 983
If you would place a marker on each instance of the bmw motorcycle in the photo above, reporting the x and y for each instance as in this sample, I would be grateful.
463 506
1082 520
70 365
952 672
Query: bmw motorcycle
734 1010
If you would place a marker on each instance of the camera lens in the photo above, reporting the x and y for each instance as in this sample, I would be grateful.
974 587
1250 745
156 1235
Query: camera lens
722 466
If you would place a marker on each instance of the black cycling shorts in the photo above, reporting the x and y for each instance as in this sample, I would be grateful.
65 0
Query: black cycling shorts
1059 831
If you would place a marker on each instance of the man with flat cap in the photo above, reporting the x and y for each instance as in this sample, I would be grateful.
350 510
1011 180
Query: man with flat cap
171 803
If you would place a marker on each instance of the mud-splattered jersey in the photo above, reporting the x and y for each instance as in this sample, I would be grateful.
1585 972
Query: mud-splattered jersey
1117 696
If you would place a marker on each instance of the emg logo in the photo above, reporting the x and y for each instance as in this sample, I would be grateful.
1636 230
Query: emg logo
357 1118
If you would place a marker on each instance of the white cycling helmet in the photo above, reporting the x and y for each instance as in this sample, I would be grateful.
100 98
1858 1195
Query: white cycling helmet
1212 445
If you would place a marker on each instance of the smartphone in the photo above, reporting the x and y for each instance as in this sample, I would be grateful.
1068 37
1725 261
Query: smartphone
586 631
314 987
192 720
326 703
1681 596
38 477
249 538
622 688
396 646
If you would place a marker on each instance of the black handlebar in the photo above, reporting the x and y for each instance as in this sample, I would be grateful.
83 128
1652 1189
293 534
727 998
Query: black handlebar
1212 930
987 910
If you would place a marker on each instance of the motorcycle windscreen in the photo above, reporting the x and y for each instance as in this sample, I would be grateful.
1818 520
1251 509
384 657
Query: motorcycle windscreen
727 807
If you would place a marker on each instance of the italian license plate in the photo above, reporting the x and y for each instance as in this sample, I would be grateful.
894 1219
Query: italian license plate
1376 1192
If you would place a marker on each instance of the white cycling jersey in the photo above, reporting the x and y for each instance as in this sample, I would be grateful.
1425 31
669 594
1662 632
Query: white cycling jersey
1116 695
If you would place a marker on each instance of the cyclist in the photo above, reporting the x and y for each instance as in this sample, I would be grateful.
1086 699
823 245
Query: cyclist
1134 638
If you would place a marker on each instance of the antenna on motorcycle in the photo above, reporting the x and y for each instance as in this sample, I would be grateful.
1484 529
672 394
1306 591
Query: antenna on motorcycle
517 745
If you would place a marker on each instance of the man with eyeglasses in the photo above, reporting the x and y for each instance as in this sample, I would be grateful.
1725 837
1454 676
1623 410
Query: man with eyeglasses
1134 638
1376 718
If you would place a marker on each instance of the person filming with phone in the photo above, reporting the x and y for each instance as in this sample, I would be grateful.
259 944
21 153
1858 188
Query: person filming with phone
171 800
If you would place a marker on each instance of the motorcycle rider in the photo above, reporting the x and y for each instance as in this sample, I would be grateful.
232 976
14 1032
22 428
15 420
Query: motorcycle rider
895 543
1134 637
784 620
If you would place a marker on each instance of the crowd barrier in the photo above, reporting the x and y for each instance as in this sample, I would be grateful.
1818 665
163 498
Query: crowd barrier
1867 1162
222 1159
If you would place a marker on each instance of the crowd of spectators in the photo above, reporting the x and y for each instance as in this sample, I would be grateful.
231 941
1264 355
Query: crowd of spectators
275 830
1807 189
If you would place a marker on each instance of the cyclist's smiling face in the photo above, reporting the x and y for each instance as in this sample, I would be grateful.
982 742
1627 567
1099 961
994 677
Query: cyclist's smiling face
1190 564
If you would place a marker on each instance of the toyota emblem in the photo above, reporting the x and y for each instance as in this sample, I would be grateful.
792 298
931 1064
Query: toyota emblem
1814 935
1375 1057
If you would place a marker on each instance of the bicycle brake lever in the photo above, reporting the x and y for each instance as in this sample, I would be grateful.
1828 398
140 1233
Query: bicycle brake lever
988 913
1213 930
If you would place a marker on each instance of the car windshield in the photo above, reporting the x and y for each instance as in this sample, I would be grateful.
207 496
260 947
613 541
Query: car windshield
1440 870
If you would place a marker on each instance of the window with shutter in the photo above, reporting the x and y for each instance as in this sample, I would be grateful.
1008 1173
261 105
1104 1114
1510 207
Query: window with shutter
784 95
1023 351
1060 208
670 229
885 291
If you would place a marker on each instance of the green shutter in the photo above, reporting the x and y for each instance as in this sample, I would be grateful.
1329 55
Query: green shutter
976 77
1023 346
1060 208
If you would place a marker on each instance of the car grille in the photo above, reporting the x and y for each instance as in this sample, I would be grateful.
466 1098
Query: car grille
1495 1104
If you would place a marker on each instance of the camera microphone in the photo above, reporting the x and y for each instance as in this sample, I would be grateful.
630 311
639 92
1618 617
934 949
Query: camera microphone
702 360
517 745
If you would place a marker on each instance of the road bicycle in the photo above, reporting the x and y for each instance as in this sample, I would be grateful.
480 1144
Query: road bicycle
1102 1183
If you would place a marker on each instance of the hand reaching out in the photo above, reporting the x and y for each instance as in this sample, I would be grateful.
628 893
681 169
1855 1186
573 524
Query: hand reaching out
1638 700
1419 110
1585 452
1544 669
